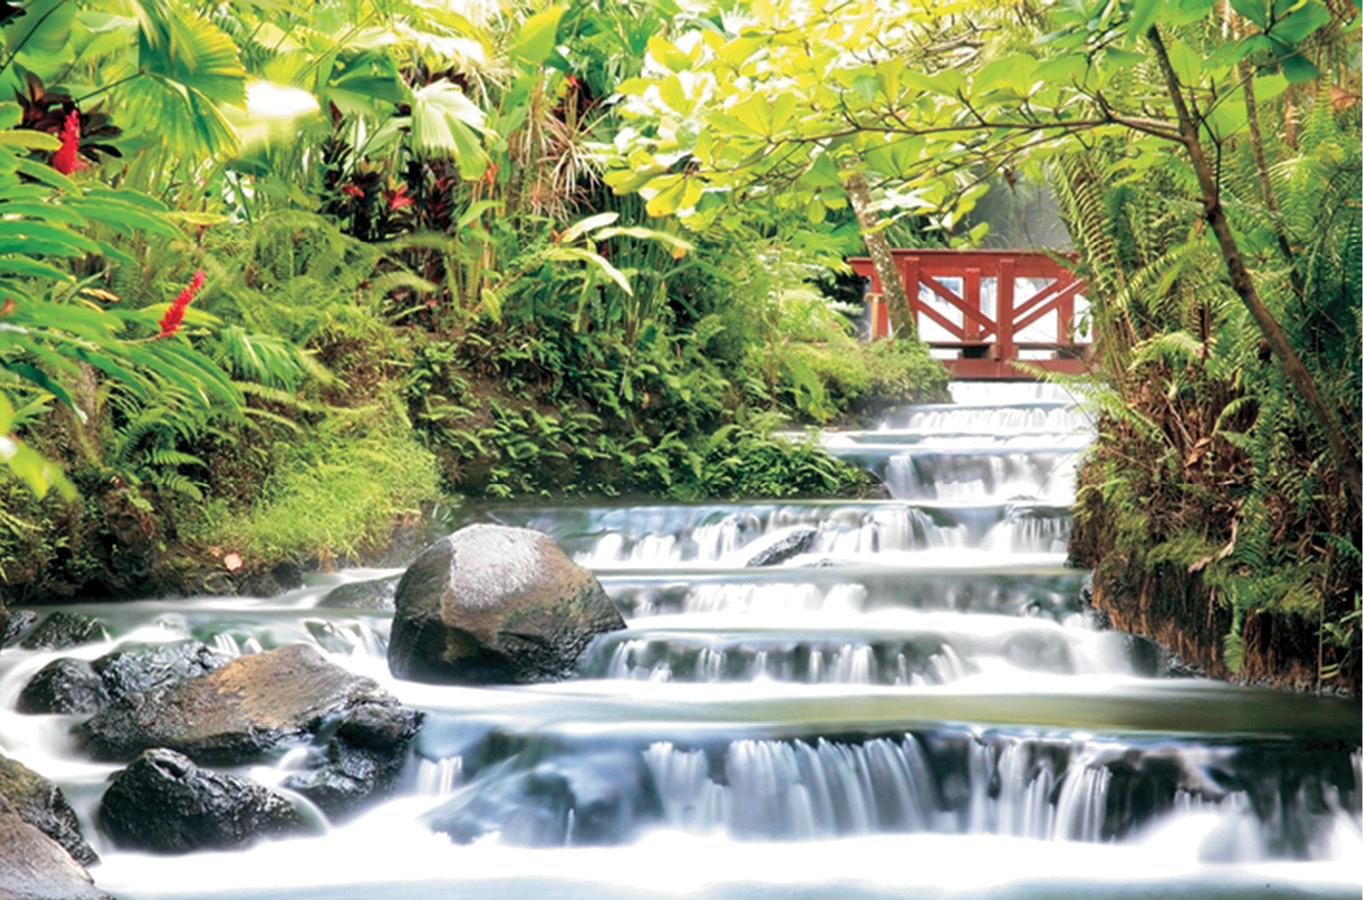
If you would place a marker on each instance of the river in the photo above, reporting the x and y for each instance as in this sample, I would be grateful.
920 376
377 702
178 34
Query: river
915 704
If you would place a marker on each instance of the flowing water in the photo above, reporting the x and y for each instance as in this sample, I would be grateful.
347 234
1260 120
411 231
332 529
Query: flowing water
909 700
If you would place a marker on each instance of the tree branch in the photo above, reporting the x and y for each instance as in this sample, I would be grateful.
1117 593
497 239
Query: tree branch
1346 460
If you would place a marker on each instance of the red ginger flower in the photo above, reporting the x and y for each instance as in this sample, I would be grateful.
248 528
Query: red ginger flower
176 314
352 190
398 198
67 158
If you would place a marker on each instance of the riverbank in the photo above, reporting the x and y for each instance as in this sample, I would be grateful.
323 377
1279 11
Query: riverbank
373 450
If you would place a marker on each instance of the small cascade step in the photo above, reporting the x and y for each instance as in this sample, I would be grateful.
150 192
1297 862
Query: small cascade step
898 649
792 534
1277 801
1051 594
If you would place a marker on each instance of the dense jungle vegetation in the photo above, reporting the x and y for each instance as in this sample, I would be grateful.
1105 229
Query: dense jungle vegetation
527 250
401 280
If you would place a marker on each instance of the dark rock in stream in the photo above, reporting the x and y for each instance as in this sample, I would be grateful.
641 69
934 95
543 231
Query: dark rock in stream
235 713
285 576
796 542
142 667
63 629
75 686
597 799
495 605
65 685
163 802
35 867
20 621
377 594
41 804
361 763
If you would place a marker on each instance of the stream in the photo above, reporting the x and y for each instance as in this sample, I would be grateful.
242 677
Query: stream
911 701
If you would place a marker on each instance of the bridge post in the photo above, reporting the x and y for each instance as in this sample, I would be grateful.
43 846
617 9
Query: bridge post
971 295
1004 351
908 268
1064 310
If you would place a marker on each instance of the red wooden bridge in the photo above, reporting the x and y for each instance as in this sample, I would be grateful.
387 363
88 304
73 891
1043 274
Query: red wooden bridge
983 310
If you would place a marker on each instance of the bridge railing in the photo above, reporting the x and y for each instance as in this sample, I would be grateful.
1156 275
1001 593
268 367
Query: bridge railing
983 310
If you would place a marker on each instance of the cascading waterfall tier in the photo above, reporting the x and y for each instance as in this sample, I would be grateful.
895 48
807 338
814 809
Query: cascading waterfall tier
1274 800
863 698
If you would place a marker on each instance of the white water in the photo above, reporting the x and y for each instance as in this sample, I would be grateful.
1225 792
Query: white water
913 704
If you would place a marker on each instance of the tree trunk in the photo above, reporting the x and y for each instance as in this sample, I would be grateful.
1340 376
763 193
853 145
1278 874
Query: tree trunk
1243 283
891 285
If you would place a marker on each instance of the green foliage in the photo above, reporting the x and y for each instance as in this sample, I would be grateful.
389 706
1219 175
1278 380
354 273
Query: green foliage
1207 462
335 491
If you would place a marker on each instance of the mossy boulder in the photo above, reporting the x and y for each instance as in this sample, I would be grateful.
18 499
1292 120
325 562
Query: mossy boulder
41 804
234 714
495 605
35 867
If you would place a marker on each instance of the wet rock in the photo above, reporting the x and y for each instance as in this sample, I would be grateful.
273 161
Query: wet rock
876 491
35 867
1098 619
20 621
596 799
285 576
1176 667
361 763
75 686
794 543
495 605
163 802
63 629
67 686
377 594
142 667
41 804
234 713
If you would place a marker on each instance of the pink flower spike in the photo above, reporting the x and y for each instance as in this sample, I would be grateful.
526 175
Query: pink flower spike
176 314
67 158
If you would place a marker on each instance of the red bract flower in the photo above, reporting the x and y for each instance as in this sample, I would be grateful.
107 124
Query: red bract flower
67 158
352 191
398 198
176 314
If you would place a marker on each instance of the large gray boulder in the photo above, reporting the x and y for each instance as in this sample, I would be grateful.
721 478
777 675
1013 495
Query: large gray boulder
41 804
35 867
495 605
233 714
164 803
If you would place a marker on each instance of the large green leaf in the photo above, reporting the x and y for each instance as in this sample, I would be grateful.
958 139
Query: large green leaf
44 28
537 37
182 48
445 123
